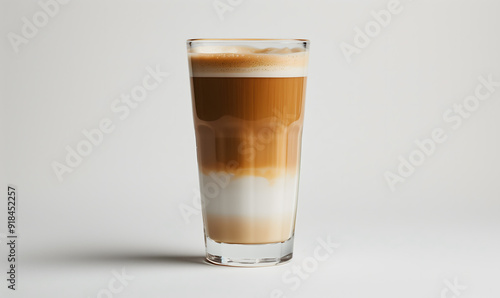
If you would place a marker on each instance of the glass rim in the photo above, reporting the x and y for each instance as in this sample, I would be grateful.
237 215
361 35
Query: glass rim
223 40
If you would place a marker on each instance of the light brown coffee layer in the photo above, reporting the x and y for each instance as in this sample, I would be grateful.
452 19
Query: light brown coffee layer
249 126
249 230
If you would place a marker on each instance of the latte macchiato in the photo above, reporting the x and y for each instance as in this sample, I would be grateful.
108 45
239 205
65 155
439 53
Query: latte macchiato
248 106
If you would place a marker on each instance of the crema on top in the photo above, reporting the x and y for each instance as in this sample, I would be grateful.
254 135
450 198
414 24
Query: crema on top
245 61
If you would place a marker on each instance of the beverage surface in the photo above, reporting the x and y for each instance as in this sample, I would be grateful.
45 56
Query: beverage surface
244 61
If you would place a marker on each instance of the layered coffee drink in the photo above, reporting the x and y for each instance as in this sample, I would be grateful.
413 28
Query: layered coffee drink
248 106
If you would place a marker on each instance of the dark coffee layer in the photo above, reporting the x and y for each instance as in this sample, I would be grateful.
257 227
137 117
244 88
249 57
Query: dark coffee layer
249 126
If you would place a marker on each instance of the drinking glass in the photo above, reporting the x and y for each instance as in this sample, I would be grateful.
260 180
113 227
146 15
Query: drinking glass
248 107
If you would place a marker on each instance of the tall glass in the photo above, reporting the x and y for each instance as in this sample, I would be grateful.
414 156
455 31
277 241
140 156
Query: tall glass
248 109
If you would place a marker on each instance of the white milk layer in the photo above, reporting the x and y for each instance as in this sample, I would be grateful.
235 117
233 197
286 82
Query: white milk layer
224 194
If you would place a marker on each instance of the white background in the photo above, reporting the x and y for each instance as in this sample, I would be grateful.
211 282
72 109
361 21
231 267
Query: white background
120 208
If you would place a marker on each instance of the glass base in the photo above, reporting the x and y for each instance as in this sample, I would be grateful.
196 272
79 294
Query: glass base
249 255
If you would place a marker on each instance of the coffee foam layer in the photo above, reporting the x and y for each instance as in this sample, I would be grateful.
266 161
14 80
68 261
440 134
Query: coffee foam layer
243 61
224 194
